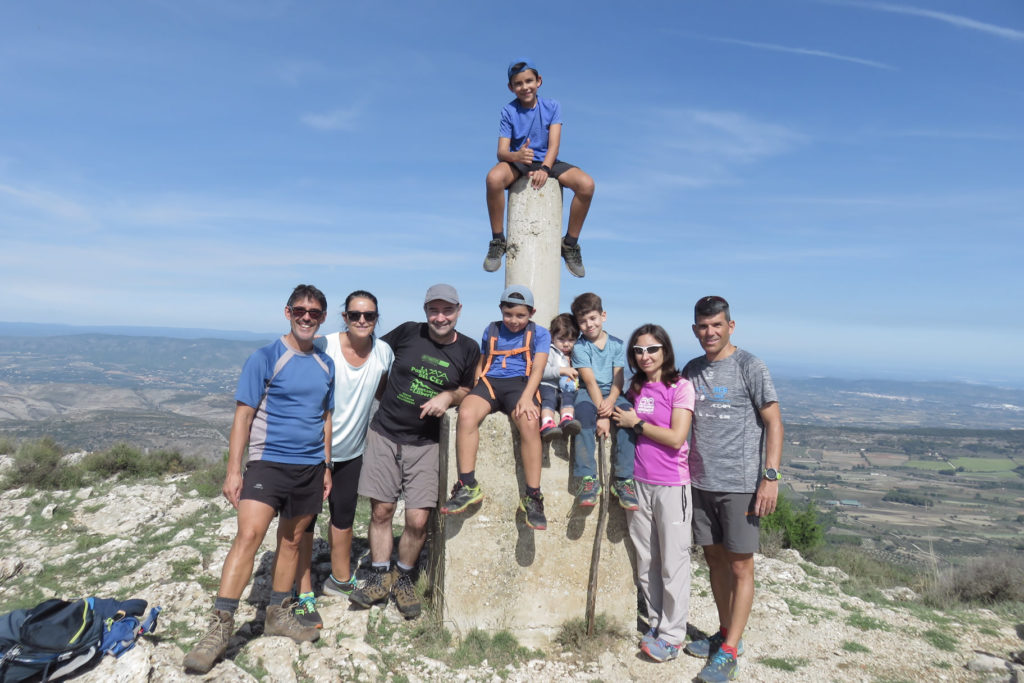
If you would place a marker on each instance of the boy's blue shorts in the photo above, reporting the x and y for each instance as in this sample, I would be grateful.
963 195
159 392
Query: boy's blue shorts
557 169
506 392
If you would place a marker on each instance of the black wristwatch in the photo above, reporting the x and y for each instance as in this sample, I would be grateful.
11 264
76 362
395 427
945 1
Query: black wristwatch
772 474
546 169
638 428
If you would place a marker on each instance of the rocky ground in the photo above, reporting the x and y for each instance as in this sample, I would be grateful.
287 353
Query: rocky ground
163 542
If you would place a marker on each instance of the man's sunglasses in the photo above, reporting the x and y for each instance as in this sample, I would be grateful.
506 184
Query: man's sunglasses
298 312
368 316
649 350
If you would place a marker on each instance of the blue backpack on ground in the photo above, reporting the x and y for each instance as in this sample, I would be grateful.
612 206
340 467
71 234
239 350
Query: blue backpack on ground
58 637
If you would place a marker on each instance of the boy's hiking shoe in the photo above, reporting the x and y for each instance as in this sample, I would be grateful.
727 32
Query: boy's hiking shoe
281 621
573 260
406 600
570 426
213 644
550 432
495 250
625 491
660 650
706 647
305 611
377 589
534 509
334 587
590 489
462 497
721 668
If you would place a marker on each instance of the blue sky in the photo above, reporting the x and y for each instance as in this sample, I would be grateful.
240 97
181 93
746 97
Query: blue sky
850 175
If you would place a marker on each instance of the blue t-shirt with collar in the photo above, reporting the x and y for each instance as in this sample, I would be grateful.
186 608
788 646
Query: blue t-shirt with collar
603 362
519 123
290 391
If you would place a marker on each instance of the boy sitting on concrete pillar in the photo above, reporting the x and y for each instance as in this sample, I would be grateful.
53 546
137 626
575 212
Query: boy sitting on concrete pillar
514 352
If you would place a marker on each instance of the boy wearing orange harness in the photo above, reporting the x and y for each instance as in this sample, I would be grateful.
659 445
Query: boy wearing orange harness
514 352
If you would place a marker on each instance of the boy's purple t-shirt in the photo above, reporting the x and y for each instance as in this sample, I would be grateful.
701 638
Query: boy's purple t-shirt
656 463
518 124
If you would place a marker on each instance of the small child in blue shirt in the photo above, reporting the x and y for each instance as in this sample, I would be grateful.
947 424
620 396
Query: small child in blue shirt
600 359
514 352
529 136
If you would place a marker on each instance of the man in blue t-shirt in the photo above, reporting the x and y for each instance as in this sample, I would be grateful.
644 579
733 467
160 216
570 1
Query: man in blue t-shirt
529 136
283 414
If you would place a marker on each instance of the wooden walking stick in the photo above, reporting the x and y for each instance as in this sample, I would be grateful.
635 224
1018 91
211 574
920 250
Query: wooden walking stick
595 556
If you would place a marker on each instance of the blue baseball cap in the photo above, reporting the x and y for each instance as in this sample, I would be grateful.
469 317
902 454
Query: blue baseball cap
524 297
527 64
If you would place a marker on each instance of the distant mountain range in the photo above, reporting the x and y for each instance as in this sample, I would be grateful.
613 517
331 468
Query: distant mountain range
90 390
9 329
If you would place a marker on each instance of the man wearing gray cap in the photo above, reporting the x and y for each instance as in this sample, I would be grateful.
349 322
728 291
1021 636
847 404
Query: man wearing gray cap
434 368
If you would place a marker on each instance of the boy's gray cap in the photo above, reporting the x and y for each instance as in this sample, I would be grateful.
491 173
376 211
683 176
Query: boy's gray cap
442 292
527 64
525 297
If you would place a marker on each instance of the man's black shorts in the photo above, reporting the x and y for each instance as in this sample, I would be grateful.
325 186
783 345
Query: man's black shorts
557 169
292 490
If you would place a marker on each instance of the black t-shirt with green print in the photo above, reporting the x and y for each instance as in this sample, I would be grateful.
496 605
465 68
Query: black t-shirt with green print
421 370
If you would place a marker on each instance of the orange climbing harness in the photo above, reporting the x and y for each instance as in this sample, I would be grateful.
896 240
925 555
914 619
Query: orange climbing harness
527 349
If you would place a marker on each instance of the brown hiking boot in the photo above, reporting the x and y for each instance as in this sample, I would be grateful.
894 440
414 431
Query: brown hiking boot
281 621
376 589
406 600
213 644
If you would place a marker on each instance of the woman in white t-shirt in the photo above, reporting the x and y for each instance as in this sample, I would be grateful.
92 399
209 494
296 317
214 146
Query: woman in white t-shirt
361 364
660 527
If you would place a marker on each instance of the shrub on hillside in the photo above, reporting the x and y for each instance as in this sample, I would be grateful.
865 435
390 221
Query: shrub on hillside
131 463
7 445
800 530
37 464
985 580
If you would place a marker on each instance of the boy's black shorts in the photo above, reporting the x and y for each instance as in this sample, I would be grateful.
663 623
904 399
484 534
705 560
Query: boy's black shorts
292 490
507 392
557 169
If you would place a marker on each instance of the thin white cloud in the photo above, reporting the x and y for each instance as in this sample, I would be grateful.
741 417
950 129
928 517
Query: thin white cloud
342 118
803 51
296 71
951 19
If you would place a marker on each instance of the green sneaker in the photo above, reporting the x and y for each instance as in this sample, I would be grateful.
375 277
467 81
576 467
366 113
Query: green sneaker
462 498
722 667
625 491
534 509
305 611
590 489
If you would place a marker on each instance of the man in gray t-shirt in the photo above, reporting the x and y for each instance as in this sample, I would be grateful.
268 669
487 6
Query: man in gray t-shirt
736 422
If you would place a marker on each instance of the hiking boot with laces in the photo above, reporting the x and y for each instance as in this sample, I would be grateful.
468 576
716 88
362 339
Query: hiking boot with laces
495 250
406 600
462 497
334 587
590 489
660 650
625 491
305 611
573 259
706 647
534 509
213 644
721 668
377 589
281 621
